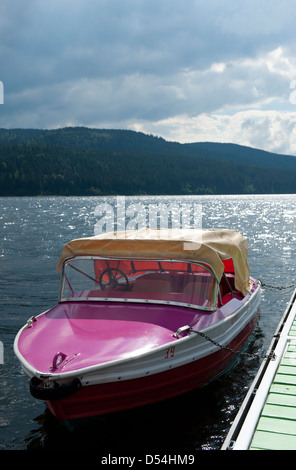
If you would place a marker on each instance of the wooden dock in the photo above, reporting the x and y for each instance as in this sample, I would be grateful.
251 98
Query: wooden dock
267 417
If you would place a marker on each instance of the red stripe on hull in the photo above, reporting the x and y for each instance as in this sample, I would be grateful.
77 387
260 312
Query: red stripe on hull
116 396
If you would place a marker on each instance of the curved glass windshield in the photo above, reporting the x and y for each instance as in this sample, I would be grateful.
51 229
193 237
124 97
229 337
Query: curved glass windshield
173 282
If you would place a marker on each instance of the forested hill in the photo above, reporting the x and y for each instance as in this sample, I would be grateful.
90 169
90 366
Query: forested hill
83 161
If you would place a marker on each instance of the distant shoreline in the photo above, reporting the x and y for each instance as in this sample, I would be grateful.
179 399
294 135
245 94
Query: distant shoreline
93 162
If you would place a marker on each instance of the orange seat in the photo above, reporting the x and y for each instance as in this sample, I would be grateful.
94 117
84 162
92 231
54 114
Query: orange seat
151 286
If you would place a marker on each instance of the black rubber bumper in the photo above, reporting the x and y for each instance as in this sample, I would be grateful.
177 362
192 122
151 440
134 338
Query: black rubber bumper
55 392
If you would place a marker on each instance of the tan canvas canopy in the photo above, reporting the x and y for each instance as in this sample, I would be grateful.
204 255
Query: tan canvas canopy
206 246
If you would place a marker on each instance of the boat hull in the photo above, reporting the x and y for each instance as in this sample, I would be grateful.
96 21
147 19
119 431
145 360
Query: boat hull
98 399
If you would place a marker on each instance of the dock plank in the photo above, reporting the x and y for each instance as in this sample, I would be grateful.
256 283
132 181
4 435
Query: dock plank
277 425
285 379
281 399
289 359
264 440
279 411
287 369
285 389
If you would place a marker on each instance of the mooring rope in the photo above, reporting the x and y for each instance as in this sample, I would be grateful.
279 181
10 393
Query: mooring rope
268 286
241 353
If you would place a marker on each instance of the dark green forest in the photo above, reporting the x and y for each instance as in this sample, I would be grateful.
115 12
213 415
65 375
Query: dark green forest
82 161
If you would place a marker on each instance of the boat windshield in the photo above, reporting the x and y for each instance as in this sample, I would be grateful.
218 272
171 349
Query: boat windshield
151 281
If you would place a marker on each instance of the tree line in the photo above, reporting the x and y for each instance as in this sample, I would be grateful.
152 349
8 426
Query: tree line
30 168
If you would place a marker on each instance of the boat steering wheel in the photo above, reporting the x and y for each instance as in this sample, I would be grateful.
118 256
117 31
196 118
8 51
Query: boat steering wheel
113 280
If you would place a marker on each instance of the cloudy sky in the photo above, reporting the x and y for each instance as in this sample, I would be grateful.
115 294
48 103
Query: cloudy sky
188 71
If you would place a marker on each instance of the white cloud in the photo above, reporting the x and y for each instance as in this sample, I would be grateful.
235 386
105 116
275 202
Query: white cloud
268 130
194 71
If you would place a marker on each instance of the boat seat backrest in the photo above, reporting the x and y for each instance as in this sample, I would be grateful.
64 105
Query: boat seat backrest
193 288
151 286
200 287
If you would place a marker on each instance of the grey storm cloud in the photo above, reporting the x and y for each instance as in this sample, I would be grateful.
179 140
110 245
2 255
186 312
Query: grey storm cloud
183 70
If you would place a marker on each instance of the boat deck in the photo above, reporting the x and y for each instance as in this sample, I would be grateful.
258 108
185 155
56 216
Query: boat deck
267 417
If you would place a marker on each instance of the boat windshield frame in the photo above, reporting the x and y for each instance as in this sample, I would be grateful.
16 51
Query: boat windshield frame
194 270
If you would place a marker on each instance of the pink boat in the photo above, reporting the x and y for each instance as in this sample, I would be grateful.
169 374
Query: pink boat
142 316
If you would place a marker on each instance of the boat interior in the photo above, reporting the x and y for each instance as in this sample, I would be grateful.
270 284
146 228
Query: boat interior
173 282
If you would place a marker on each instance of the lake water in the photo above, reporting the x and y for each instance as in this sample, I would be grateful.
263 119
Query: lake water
33 232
